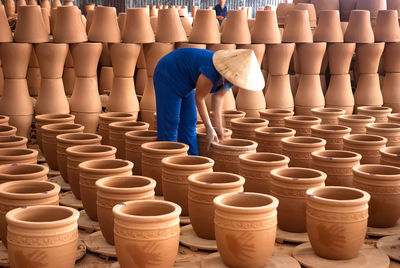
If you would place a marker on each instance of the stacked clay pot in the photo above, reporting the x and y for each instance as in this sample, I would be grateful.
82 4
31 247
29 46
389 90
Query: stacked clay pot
302 124
23 172
297 27
33 76
228 115
106 118
380 113
205 30
391 56
358 123
276 117
243 128
389 156
269 139
391 131
328 115
359 29
366 145
18 155
69 74
13 142
299 149
202 140
133 147
4 120
332 134
7 131
235 29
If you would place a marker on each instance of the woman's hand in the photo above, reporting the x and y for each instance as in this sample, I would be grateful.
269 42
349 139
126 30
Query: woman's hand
211 136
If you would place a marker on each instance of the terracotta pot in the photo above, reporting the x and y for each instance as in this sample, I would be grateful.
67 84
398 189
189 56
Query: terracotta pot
279 94
65 141
115 190
380 182
386 27
104 27
153 153
216 47
329 29
30 27
332 134
4 120
14 59
394 118
228 115
170 28
9 7
86 57
13 142
68 27
121 21
16 194
55 3
297 27
49 141
133 141
366 145
339 57
8 131
243 128
4 26
202 140
232 232
140 30
107 118
226 153
359 29
391 131
356 122
236 30
389 156
302 124
275 117
339 94
368 56
379 113
390 57
18 156
390 95
368 91
328 115
309 95
146 228
46 17
311 12
106 79
334 212
266 29
203 188
278 58
51 58
117 132
299 149
282 10
175 171
20 171
269 139
310 57
92 170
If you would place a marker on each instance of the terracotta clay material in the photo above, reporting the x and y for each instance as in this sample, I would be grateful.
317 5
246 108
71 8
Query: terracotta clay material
16 194
328 115
152 155
13 142
339 57
299 149
386 27
175 171
289 185
379 113
337 165
381 182
390 57
277 58
80 153
328 29
368 91
275 117
282 11
368 56
22 171
20 156
391 131
390 156
269 139
203 142
8 131
243 128
4 120
92 170
359 29
4 26
339 94
366 145
231 114
250 102
266 29
107 118
56 222
309 94
235 233
332 134
30 27
302 124
170 28
236 30
394 118
140 30
115 190
356 122
104 27
68 27
133 151
203 188
390 95
335 214
205 30
311 12
297 27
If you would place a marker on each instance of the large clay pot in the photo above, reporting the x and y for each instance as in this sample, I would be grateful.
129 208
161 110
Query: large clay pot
368 91
328 115
310 57
30 27
269 139
379 113
233 235
297 27
339 94
144 229
202 140
8 131
175 171
266 29
9 7
309 94
5 35
311 12
80 153
16 194
228 115
153 153
203 188
4 120
278 58
275 117
390 95
18 156
368 57
117 132
337 165
205 30
104 27
170 28
302 124
332 134
236 30
139 30
72 139
299 149
68 27
278 93
49 141
391 56
133 151
339 57
328 29
243 128
289 185
359 29
366 145
391 131
11 142
115 190
389 156
92 170
21 171
386 27
356 122
107 118
335 212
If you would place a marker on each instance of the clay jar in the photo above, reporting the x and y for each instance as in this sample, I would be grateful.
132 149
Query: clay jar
337 165
140 30
49 141
366 145
269 139
391 131
144 229
68 27
335 215
104 27
275 117
202 140
289 185
92 170
16 194
175 171
133 142
11 142
170 28
228 115
203 188
205 30
107 118
22 172
386 27
117 132
328 115
30 27
359 29
299 149
302 124
80 153
390 156
236 30
234 212
332 134
356 122
243 128
115 190
72 139
379 113
8 131
266 29
328 29
297 27
226 153
153 153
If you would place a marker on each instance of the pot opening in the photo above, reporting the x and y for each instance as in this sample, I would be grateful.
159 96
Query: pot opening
62 126
374 108
46 214
273 130
307 140
392 150
142 133
384 125
54 116
78 136
232 112
10 138
248 120
21 169
355 117
6 128
328 110
278 111
304 118
236 142
336 154
213 177
331 127
246 200
188 160
264 157
364 137
15 152
148 209
91 149
298 173
379 170
105 164
166 146
126 182
110 115
127 124
36 187
338 193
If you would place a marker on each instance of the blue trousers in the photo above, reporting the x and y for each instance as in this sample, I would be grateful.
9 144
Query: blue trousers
176 115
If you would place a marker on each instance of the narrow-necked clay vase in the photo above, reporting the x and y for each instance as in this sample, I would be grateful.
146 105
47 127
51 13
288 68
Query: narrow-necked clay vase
297 27
145 229
49 141
236 30
391 131
202 140
92 170
232 231
289 185
205 30
339 94
275 117
309 94
16 194
359 29
152 155
302 124
356 122
226 153
68 27
18 156
379 113
266 29
115 190
339 57
386 28
310 57
139 30
278 58
337 165
22 171
8 131
175 171
390 156
299 149
133 151
332 134
170 28
5 35
328 29
104 27
72 139
243 128
269 139
336 215
368 57
366 145
203 188
30 27
109 117
328 115
390 57
11 142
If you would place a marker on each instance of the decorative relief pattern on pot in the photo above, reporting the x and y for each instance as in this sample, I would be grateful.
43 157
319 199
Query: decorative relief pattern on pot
326 231
106 203
337 217
244 225
32 241
146 234
376 189
33 259
292 193
204 199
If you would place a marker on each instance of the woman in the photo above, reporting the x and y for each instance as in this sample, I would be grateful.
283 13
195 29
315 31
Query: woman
183 79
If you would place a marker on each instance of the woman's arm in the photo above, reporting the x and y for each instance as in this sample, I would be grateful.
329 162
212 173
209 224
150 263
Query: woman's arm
216 107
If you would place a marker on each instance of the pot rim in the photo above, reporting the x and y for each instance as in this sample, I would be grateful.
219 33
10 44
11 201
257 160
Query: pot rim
375 109
303 119
76 138
118 125
6 128
201 131
77 150
5 193
41 170
280 159
113 116
284 130
319 175
278 112
13 139
289 141
233 112
55 128
272 205
54 117
193 179
206 162
387 127
249 122
328 111
325 129
395 116
352 138
4 117
137 134
250 145
148 146
366 171
101 184
324 156
387 151
27 153
352 118
94 166
335 202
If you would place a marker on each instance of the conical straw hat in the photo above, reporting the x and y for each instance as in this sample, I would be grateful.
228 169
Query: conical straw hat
240 67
